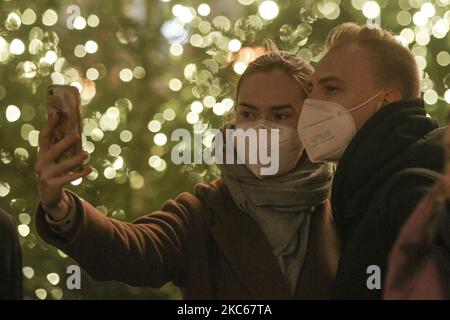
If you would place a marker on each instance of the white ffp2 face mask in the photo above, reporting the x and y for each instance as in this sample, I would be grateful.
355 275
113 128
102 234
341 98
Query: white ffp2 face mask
284 148
326 128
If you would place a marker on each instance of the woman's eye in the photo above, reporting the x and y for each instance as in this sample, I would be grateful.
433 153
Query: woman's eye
246 114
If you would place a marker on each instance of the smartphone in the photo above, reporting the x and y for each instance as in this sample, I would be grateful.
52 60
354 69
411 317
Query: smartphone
65 101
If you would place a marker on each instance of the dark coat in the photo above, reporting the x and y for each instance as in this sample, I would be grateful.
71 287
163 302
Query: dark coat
203 243
419 265
369 205
10 259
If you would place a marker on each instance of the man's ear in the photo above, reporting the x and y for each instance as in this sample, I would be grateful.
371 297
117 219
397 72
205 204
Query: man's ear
391 96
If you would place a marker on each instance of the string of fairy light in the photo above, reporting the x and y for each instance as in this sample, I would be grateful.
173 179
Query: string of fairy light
206 46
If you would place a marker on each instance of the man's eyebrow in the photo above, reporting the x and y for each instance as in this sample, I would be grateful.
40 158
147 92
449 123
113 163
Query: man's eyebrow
276 107
329 78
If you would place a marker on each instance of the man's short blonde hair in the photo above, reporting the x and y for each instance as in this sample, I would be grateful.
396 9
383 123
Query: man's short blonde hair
394 65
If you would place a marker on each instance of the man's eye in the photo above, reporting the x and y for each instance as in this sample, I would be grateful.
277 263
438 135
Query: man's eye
331 89
282 116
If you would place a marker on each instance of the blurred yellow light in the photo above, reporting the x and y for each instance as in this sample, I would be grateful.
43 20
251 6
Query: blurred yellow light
190 70
192 118
126 75
443 58
240 67
246 2
91 46
114 150
77 182
89 147
24 230
154 161
430 97
169 114
423 37
219 109
12 113
136 180
371 10
196 107
447 96
175 84
79 23
4 189
118 163
268 10
420 19
93 21
176 49
92 74
16 47
41 293
196 40
126 136
154 126
139 72
404 18
79 51
183 13
109 173
28 272
53 278
50 57
234 45
428 9
13 21
160 139
204 27
421 62
408 35
97 134
162 166
440 29
28 17
209 101
50 17
204 9
33 138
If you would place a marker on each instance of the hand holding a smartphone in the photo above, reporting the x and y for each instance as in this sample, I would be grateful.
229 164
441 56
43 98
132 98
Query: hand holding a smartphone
60 157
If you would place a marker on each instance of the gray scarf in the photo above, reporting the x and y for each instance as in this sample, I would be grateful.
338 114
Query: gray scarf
281 207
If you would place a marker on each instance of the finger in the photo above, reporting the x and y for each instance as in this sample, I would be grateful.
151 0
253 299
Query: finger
60 182
66 166
46 132
60 147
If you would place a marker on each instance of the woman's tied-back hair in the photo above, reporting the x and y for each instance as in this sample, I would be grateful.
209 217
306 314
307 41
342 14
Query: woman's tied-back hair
393 64
276 60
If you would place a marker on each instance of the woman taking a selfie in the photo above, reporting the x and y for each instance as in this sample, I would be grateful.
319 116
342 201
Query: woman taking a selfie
243 236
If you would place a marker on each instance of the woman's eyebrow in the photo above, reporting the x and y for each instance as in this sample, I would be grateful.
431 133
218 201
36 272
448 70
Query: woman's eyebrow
280 107
247 105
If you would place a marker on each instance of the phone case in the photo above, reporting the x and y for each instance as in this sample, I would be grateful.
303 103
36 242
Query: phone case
65 101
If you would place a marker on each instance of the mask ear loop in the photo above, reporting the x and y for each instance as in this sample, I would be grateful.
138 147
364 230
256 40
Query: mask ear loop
365 102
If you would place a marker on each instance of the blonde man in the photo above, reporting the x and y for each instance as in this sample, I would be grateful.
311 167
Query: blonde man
365 113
